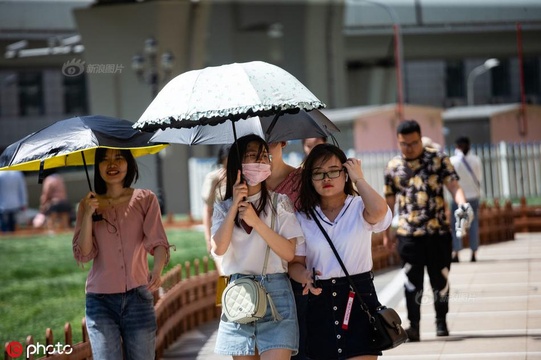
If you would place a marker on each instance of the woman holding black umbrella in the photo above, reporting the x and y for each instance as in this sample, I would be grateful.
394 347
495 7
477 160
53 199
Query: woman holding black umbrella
116 227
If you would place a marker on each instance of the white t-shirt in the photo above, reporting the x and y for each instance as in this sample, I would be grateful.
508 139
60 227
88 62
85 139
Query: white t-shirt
350 234
471 189
246 252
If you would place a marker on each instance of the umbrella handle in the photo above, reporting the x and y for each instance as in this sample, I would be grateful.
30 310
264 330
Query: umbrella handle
95 216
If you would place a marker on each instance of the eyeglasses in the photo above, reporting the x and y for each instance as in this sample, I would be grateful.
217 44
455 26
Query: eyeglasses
333 174
253 157
410 145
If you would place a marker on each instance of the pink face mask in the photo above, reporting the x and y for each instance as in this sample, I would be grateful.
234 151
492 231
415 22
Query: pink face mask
255 173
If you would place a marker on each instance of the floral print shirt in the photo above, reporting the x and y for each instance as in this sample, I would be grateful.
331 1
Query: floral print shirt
418 186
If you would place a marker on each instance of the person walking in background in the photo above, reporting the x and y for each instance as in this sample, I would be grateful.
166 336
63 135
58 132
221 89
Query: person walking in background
117 226
309 143
54 202
469 169
242 235
416 180
349 217
214 190
13 198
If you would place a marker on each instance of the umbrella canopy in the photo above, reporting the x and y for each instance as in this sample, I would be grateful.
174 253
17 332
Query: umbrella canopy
65 142
235 91
287 127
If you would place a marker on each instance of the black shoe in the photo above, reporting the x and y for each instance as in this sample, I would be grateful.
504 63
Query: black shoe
454 258
473 258
441 327
413 334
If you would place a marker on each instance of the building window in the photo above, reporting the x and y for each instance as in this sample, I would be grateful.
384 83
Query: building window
454 79
31 102
501 79
531 77
75 95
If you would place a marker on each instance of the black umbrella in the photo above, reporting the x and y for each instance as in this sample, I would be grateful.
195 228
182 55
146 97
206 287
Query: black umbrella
72 142
286 127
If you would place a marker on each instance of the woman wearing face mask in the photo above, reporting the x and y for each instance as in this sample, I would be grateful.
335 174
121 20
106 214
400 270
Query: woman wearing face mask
241 231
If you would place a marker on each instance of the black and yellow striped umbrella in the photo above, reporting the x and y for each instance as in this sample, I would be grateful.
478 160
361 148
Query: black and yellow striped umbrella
73 141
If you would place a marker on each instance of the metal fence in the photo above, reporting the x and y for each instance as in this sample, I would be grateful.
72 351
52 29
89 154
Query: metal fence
510 170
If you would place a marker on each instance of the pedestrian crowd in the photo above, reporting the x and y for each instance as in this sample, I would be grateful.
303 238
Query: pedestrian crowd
275 224
266 205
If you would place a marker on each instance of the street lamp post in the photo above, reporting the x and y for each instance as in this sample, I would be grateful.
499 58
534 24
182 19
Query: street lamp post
398 52
487 65
152 77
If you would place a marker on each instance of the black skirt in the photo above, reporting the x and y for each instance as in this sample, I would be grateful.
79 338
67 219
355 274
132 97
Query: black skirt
326 339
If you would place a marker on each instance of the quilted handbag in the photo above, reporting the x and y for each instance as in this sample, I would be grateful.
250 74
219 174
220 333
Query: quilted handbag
244 300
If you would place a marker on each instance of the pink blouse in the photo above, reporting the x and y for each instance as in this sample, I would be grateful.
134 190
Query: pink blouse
290 185
119 250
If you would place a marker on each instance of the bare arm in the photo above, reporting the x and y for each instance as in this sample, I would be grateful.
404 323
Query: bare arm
390 200
284 248
221 240
456 191
160 257
84 241
207 222
375 206
297 271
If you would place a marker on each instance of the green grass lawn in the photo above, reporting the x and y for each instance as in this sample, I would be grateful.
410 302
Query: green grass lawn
42 287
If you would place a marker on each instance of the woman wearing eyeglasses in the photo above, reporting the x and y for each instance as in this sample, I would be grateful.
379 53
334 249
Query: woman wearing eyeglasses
349 217
241 232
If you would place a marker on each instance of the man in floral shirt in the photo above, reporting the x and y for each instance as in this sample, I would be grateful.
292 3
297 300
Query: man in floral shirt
416 180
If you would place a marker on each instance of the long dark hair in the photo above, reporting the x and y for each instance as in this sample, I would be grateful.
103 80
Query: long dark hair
308 196
234 164
131 175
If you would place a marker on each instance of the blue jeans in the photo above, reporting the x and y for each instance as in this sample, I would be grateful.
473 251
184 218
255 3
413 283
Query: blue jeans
123 323
7 220
473 232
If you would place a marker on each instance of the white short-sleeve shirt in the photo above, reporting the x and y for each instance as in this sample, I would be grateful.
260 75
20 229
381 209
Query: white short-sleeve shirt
246 252
350 234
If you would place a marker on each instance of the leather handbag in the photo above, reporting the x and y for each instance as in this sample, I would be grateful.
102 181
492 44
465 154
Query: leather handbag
387 331
221 284
245 300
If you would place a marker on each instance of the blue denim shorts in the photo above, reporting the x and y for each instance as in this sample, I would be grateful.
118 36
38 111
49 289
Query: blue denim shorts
265 334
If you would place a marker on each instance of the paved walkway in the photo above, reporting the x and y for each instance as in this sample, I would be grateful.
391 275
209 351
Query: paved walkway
495 309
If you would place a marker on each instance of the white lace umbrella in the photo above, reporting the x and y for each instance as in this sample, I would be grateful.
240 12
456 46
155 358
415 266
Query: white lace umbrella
235 91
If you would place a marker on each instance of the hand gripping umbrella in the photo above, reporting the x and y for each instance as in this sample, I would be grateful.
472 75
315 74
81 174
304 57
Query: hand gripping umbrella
72 142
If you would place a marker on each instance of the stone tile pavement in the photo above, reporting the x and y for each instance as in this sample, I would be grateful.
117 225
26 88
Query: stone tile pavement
495 309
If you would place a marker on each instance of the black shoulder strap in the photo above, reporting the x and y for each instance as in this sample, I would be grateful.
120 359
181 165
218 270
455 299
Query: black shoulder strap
350 280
